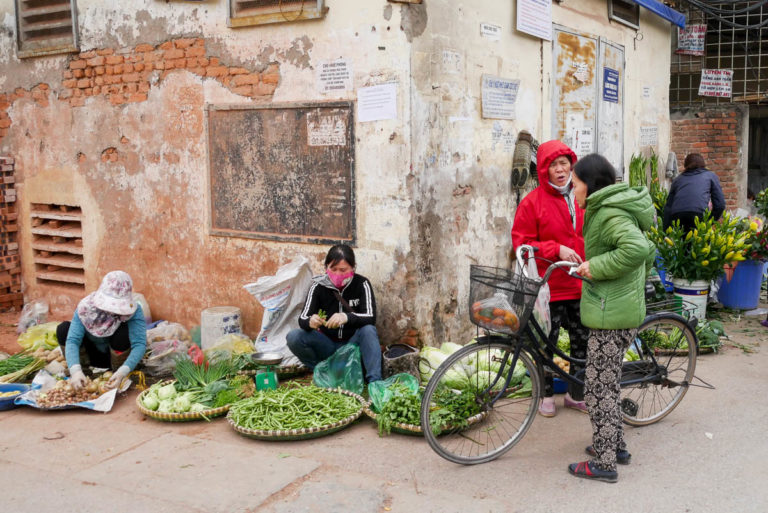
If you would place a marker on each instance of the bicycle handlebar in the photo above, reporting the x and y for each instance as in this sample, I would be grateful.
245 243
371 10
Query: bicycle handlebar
562 264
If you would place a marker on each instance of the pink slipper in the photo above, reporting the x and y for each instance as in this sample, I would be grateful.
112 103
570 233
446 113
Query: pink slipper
576 405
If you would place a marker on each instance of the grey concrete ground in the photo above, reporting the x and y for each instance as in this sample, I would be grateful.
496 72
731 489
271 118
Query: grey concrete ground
708 456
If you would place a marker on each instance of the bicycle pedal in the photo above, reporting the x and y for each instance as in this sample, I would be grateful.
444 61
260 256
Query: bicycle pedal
629 407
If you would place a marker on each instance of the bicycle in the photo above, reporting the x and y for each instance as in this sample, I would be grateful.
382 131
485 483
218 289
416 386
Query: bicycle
503 370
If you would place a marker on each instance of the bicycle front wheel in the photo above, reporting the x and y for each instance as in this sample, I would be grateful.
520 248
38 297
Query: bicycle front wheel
659 369
470 412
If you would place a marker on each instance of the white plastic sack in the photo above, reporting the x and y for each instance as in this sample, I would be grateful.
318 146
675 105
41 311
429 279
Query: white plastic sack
282 297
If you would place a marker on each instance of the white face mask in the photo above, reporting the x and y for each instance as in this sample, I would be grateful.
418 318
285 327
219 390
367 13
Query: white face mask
562 189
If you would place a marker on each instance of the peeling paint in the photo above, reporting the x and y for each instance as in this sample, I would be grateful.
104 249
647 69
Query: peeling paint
414 20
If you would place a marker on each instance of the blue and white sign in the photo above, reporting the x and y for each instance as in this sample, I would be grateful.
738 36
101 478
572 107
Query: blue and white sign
610 85
499 96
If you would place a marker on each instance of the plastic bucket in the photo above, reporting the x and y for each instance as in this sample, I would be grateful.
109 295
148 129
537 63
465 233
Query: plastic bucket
217 321
743 290
695 293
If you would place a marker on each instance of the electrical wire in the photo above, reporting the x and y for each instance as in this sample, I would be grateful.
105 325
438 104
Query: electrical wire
716 13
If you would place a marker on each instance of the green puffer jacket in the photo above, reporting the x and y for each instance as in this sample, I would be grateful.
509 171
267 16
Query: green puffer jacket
619 256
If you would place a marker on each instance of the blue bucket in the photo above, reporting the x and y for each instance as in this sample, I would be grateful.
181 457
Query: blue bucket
743 291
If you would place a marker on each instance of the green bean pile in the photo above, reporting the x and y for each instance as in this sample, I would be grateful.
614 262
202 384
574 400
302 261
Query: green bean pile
292 408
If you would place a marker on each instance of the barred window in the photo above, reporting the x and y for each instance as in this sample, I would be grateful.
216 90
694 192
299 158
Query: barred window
625 12
261 12
45 27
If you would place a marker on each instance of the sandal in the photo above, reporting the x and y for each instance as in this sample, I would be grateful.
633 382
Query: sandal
623 456
588 470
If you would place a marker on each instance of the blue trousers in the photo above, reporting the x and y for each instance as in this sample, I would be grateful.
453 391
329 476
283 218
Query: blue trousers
312 347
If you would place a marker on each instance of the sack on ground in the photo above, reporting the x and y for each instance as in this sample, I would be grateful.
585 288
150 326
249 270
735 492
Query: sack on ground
343 369
400 358
282 297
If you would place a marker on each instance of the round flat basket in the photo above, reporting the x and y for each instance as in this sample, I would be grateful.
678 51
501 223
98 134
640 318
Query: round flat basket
397 427
414 430
179 417
305 433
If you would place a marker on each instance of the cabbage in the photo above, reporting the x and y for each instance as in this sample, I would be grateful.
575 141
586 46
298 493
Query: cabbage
490 362
449 348
197 407
457 377
431 358
166 392
165 406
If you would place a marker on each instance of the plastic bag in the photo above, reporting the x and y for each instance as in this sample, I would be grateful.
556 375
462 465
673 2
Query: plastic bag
40 336
168 331
33 313
496 314
381 391
342 370
541 307
166 342
229 344
282 296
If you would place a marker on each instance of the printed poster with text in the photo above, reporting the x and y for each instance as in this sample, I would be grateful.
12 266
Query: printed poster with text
716 82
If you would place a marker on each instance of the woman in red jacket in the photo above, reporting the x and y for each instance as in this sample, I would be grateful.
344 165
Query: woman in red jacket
549 219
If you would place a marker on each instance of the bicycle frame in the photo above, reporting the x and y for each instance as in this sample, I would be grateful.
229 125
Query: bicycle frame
539 351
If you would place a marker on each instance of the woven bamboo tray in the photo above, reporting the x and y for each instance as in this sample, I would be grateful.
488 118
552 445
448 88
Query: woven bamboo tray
306 433
414 430
179 417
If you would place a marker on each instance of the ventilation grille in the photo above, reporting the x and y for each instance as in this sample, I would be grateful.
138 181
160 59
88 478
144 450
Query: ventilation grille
45 27
57 243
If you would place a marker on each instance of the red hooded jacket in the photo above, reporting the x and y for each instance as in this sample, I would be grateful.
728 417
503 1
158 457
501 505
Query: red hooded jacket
542 220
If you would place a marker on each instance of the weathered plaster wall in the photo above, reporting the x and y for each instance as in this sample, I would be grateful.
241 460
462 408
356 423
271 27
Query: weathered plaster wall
119 130
463 207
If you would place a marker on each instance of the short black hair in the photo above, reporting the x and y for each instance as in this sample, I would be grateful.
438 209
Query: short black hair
340 252
595 171
694 161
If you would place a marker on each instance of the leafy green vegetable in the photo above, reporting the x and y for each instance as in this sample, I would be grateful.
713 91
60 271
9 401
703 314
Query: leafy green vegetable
403 407
564 341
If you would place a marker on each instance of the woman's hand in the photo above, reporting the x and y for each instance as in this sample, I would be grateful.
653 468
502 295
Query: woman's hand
569 255
336 320
316 321
583 270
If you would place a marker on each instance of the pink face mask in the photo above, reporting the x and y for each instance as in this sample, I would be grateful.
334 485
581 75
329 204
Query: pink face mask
340 280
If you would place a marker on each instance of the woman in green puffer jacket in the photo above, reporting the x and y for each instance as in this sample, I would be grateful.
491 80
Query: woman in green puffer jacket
618 255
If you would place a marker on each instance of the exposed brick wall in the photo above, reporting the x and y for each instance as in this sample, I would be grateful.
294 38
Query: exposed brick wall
10 264
126 75
718 134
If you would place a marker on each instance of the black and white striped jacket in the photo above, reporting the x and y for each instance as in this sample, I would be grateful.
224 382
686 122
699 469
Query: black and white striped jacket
358 293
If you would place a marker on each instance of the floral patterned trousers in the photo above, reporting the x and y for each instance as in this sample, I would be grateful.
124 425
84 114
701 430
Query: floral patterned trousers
605 353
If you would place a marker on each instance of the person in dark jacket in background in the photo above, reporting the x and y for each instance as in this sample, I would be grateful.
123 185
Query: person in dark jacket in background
691 194
548 218
347 301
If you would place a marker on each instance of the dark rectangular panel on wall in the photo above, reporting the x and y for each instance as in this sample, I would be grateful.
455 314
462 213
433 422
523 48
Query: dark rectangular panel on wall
282 171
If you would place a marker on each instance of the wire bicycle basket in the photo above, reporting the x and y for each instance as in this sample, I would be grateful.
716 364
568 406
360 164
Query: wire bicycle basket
500 300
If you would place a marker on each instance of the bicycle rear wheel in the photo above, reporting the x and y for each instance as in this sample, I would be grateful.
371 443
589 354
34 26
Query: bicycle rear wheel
464 421
664 360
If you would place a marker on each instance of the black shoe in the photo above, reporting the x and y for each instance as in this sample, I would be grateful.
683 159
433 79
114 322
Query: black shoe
622 455
587 470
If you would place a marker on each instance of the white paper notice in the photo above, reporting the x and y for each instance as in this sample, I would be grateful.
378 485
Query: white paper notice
534 17
326 130
716 82
499 97
377 102
334 76
582 141
649 135
647 92
490 31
